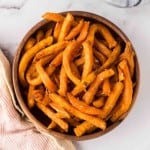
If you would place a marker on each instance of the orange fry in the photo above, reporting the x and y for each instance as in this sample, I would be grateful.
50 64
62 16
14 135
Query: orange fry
53 17
75 31
30 43
68 21
28 56
83 128
82 106
93 120
102 48
47 111
99 102
89 95
83 34
111 59
106 89
39 35
63 82
68 53
51 50
126 99
83 84
88 59
49 84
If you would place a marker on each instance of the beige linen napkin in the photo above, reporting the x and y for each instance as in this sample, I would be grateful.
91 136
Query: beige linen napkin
15 132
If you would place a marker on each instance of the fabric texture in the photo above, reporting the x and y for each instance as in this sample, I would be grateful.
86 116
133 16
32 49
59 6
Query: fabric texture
15 132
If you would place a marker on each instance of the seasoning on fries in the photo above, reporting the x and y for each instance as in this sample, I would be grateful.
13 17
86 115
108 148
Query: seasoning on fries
78 74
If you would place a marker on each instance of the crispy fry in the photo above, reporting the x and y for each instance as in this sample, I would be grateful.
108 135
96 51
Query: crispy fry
112 99
106 89
47 111
63 82
68 21
28 56
53 17
83 128
89 95
128 54
57 30
102 48
126 99
83 84
93 120
79 61
88 59
69 51
39 35
105 33
59 109
98 103
30 43
99 56
107 36
83 34
114 55
75 70
54 49
82 106
49 84
75 31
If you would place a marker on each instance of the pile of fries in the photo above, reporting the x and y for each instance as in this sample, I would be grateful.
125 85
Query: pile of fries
78 74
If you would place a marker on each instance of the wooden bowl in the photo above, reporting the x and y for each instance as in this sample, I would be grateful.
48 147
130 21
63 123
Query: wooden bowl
34 116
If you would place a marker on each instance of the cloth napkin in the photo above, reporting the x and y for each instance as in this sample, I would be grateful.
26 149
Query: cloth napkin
15 132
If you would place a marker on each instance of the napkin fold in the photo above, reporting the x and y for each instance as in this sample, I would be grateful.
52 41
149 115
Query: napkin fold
15 132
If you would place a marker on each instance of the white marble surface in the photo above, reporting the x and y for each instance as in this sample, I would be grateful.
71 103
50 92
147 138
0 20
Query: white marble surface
17 16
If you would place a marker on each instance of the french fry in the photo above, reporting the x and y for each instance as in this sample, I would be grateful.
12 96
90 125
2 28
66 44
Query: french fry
30 43
82 106
49 32
39 35
114 55
93 120
83 84
75 70
83 128
67 23
79 61
75 31
54 49
112 99
63 82
60 110
126 99
102 48
53 17
83 34
28 56
98 103
106 87
88 59
49 84
57 29
104 32
99 56
72 47
89 95
129 54
47 111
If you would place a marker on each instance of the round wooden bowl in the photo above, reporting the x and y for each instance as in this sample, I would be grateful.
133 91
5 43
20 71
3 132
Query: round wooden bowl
34 116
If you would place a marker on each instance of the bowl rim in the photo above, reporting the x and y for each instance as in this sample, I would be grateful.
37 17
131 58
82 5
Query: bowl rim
40 127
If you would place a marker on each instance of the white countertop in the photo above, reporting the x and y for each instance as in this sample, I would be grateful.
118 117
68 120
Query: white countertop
17 16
